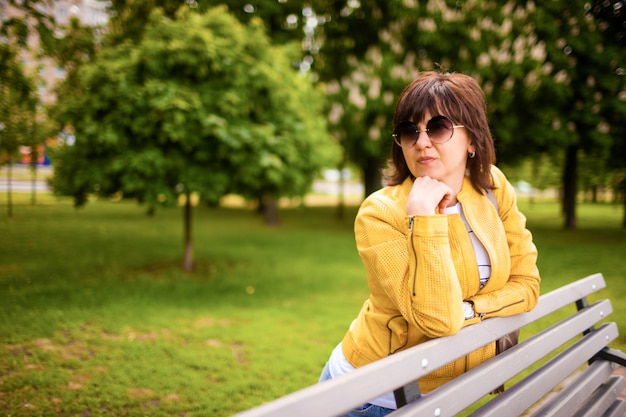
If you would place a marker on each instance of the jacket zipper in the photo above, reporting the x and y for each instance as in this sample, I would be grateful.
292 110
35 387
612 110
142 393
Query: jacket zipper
411 226
481 240
481 315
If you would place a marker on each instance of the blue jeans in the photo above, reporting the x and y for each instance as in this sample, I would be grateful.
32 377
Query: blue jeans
366 410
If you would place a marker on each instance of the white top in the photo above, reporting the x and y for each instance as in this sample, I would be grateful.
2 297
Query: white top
482 258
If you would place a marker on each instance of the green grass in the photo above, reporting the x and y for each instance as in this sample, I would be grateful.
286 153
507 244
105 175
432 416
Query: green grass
97 318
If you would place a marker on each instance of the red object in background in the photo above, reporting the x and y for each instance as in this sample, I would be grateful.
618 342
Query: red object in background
25 155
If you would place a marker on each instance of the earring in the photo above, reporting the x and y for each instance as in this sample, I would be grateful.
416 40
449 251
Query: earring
472 154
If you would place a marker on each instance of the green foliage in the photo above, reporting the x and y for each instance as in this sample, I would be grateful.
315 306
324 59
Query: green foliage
542 172
18 103
18 100
200 104
128 19
583 77
94 325
373 49
272 13
30 20
553 73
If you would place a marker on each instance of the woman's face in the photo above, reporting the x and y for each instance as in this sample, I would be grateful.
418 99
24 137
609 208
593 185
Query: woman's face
446 162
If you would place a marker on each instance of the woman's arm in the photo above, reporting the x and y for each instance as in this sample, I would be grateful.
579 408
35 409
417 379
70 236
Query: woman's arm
521 292
409 263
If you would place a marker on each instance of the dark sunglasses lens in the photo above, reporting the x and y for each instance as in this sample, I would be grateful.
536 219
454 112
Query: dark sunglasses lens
407 133
439 128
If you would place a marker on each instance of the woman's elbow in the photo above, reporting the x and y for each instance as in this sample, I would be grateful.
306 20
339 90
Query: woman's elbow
437 327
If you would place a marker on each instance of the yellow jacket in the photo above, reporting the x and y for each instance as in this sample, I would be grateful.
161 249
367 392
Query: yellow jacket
420 270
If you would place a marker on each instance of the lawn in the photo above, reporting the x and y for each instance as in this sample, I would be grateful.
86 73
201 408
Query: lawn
97 318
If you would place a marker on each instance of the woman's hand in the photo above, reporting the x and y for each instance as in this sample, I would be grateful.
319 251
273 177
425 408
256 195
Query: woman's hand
427 197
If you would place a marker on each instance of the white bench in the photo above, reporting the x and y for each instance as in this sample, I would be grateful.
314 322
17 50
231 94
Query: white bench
575 375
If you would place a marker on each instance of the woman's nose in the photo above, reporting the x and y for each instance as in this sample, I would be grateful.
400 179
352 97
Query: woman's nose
423 140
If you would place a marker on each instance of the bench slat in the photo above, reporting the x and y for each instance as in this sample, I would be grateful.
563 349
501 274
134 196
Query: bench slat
533 387
342 394
603 398
467 388
618 409
557 299
568 400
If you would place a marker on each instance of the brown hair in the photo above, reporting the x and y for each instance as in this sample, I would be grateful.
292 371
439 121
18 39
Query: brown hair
458 97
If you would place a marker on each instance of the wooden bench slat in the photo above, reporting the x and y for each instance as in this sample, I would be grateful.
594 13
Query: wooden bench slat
527 392
602 399
467 388
565 402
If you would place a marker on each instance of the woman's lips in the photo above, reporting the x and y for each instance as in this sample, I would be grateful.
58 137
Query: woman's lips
425 160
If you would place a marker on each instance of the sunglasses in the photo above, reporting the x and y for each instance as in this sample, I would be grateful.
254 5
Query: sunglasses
439 129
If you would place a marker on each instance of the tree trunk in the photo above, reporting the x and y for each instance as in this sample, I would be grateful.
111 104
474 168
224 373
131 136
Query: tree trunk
33 184
622 192
372 176
624 211
594 194
187 212
270 211
341 204
9 191
570 186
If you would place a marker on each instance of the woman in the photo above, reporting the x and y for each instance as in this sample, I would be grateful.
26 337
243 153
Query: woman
443 244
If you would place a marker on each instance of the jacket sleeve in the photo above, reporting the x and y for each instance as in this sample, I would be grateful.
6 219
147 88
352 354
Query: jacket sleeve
521 292
408 261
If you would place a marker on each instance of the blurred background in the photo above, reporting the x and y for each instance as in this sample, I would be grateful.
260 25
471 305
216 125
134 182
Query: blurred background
180 178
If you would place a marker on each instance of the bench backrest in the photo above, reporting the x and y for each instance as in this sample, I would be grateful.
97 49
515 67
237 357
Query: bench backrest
402 369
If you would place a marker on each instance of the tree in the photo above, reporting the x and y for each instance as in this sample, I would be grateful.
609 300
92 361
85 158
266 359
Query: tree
199 105
284 21
37 130
18 103
23 119
581 88
128 19
611 16
17 123
552 73
372 49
